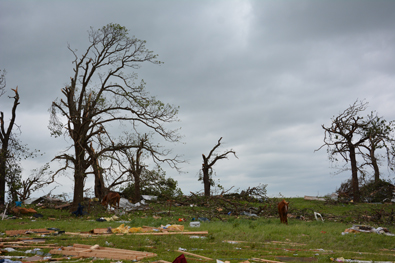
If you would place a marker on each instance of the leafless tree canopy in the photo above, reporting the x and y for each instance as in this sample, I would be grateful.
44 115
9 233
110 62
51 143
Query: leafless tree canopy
101 95
379 146
351 135
128 164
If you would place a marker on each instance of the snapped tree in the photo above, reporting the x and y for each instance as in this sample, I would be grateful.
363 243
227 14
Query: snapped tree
12 152
6 136
100 96
207 166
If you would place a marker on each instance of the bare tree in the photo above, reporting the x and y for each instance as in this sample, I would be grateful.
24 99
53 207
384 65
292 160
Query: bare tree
22 188
380 134
208 163
130 161
343 138
6 136
100 95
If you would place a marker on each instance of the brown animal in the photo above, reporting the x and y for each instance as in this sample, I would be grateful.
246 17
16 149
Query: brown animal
112 199
283 211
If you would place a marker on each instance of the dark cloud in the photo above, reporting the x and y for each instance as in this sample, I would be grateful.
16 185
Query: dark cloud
264 75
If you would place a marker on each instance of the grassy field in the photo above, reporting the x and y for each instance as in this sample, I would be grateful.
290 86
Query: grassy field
235 238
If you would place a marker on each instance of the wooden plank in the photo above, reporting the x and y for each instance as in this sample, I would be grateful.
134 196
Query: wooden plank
30 246
173 233
62 206
101 231
103 252
266 260
196 255
83 246
196 259
28 231
287 243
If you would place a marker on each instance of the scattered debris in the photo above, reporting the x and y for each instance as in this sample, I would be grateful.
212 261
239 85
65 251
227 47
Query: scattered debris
314 198
367 229
42 199
2 218
62 206
30 231
107 219
23 210
248 214
149 197
194 224
88 251
79 211
299 259
341 259
265 260
129 206
145 230
318 214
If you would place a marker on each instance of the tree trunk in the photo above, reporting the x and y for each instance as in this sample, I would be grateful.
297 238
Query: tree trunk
375 165
99 182
2 176
137 191
79 176
99 187
206 182
354 172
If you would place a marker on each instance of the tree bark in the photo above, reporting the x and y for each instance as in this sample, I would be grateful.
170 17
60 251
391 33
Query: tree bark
137 191
79 176
5 135
354 174
207 165
206 177
99 182
374 164
3 169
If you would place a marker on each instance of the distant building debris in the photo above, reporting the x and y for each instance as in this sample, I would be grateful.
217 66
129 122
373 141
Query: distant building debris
314 198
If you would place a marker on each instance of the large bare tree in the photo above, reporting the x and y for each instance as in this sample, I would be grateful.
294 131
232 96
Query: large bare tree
344 136
208 163
101 96
6 135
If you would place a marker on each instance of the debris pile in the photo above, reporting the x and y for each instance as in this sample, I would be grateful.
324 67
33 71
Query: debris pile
367 229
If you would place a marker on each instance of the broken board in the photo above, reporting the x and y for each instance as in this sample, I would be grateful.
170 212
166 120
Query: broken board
102 252
28 231
106 231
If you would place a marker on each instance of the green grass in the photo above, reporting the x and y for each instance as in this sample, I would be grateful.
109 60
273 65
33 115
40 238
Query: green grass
262 237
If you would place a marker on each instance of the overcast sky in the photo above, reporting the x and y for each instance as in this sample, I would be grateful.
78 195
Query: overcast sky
264 75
